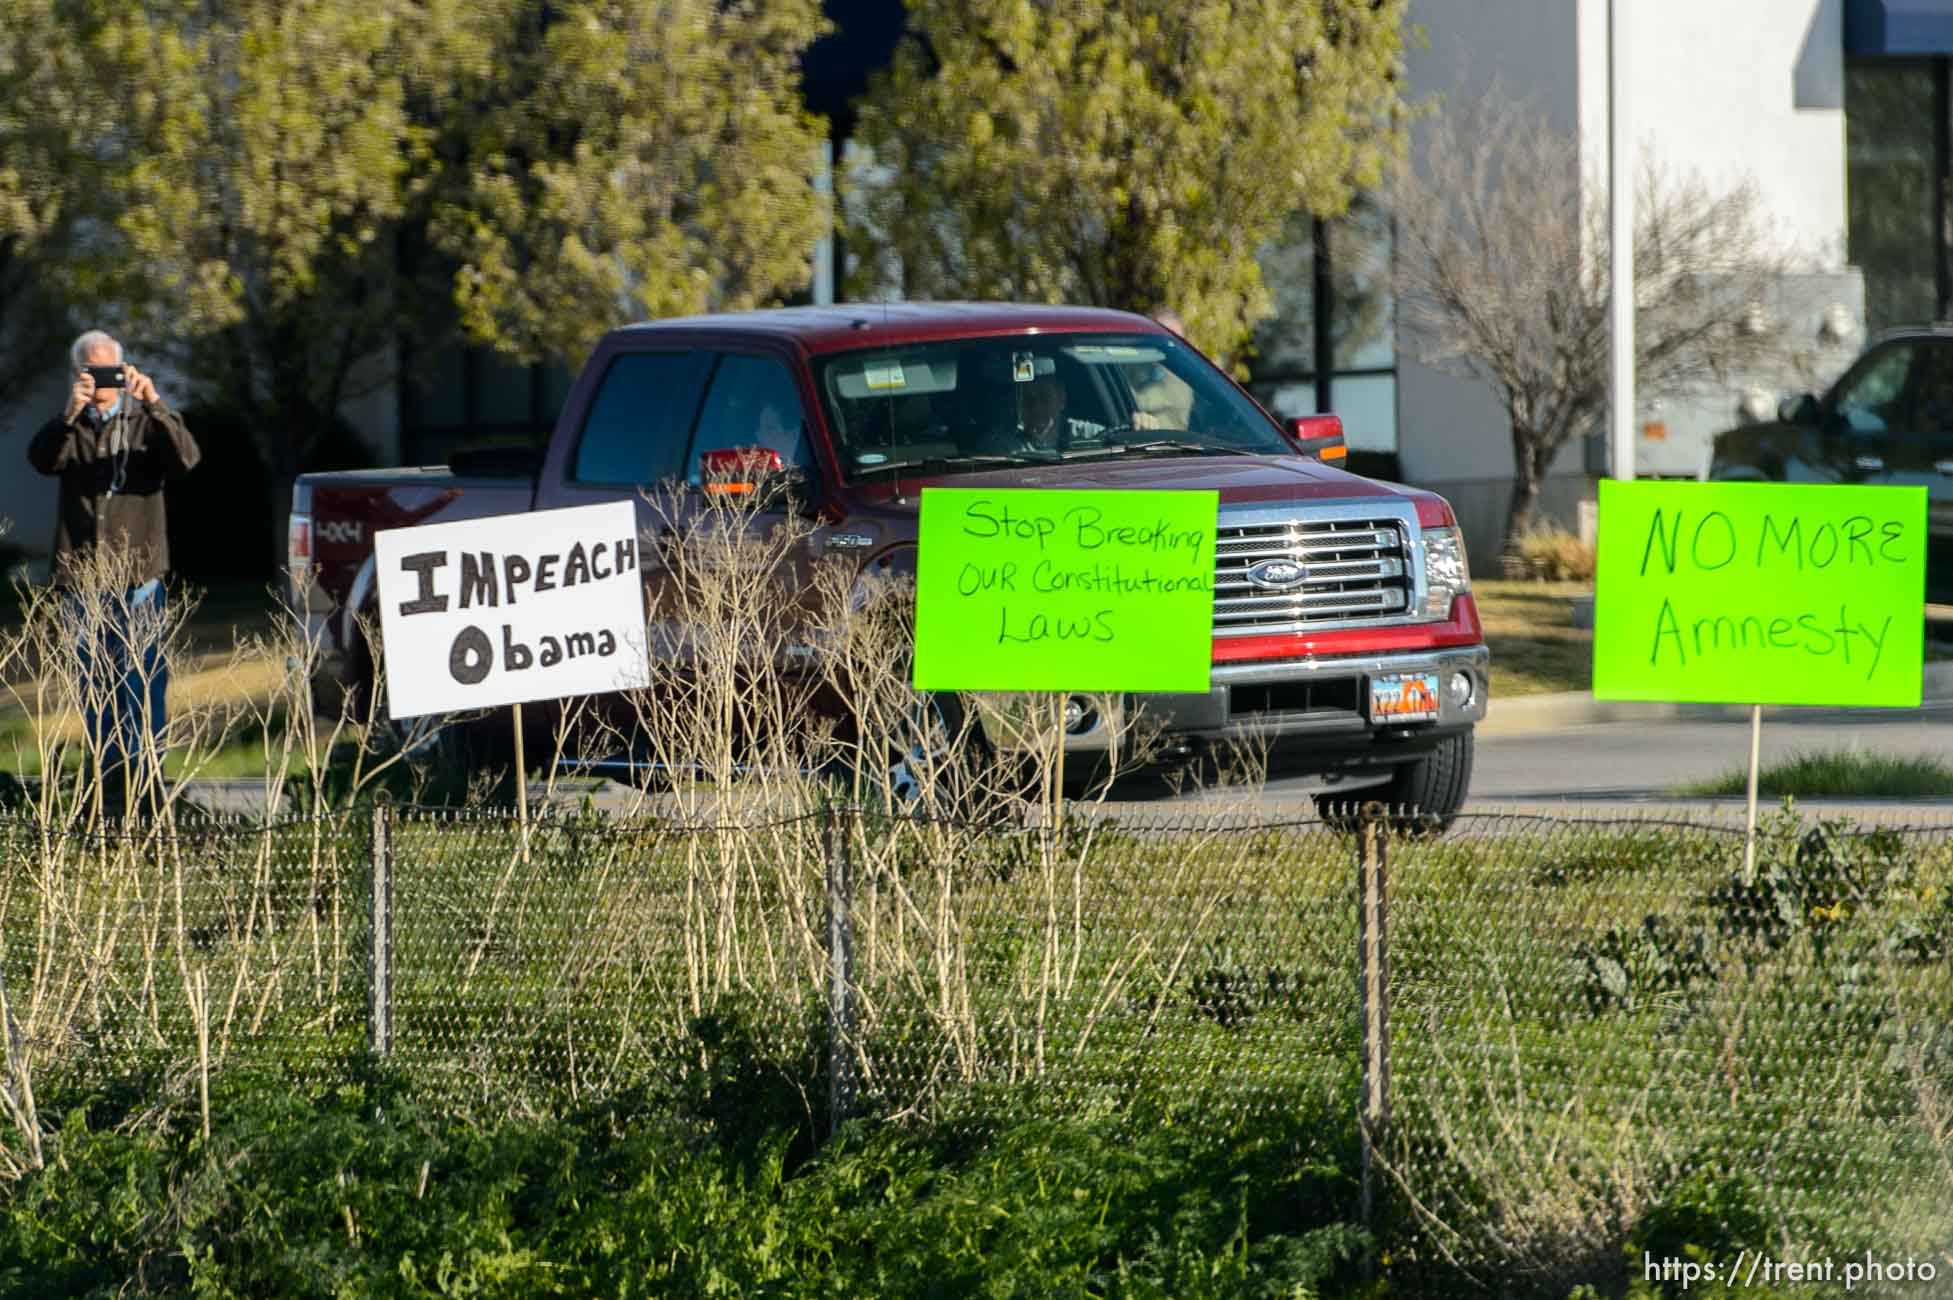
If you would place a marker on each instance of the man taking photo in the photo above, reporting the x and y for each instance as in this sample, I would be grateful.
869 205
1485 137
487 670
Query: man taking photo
113 448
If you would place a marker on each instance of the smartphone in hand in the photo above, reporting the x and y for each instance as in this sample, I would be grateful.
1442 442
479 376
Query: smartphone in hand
107 376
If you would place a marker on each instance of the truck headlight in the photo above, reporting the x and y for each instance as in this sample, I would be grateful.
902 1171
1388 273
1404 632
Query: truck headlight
1447 576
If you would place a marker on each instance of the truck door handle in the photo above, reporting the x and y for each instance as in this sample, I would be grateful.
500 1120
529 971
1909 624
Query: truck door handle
1870 462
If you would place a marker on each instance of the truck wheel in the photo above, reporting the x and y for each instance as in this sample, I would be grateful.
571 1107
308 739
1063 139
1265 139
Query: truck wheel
922 750
427 740
1431 790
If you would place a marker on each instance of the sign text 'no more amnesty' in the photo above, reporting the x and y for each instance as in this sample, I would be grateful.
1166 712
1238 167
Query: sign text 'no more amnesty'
1065 590
512 608
1760 593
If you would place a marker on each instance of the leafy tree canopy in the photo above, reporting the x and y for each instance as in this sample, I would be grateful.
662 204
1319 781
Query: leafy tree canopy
51 175
1123 153
643 158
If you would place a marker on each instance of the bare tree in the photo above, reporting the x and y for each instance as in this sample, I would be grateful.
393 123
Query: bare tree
1502 274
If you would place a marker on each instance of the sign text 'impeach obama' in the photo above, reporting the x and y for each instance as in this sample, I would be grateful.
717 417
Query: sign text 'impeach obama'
511 608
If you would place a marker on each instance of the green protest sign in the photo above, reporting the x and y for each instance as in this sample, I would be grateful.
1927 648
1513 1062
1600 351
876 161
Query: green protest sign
1760 593
1032 590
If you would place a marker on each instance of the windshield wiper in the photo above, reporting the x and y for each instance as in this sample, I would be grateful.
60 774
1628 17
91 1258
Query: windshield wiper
926 462
1167 444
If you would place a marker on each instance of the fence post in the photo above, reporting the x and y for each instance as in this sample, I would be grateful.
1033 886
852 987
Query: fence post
379 1012
838 825
1373 964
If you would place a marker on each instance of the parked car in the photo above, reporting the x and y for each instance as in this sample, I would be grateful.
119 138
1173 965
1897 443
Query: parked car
1888 419
1344 626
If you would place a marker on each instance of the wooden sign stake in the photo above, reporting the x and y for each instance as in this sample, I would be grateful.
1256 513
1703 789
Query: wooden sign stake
521 782
1749 838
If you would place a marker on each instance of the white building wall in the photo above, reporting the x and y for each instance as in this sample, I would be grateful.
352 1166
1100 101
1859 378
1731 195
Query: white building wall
1452 434
1724 88
1748 88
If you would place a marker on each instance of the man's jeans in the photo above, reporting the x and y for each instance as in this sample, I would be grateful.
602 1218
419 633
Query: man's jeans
124 678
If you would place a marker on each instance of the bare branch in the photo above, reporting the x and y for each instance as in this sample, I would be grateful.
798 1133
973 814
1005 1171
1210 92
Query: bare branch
1502 275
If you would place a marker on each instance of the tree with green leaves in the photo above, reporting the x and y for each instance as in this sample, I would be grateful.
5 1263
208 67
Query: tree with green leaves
1122 153
270 154
641 158
51 98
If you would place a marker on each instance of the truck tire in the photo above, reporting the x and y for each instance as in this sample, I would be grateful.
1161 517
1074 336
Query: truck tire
439 742
1429 791
924 751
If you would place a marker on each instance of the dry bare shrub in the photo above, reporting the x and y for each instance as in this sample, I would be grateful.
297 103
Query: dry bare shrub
1517 1168
1551 554
781 696
354 742
1502 274
82 652
128 925
781 692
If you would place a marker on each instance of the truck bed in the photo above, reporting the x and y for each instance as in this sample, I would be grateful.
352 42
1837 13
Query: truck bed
348 507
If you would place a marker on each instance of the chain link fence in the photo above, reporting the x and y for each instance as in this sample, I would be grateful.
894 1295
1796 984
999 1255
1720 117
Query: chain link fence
1539 1025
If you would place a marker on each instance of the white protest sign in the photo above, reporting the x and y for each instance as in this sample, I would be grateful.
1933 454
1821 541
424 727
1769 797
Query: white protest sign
511 608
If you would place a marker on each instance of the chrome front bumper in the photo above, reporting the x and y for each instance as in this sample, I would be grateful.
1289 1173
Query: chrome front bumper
1323 701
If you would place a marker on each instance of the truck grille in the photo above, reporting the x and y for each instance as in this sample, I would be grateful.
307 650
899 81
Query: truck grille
1352 571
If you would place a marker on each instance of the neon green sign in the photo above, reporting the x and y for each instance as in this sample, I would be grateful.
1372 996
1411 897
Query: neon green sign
1760 593
1032 590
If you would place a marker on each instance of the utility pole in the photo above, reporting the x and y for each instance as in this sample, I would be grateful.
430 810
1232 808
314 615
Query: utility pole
1622 424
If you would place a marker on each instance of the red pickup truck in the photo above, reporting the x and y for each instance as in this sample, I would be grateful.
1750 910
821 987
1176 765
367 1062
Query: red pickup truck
1344 629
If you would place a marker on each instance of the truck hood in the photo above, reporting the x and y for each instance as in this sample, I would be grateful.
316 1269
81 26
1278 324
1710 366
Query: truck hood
1240 480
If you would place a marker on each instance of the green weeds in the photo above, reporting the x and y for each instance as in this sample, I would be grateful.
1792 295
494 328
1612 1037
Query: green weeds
360 1190
1839 774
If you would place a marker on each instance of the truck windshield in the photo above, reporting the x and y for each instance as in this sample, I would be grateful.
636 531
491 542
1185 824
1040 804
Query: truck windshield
974 404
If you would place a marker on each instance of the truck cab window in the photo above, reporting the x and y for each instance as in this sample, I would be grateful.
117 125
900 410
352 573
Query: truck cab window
1872 398
634 435
753 402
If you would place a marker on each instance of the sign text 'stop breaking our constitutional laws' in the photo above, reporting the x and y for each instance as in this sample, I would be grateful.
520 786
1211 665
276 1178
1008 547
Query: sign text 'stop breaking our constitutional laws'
1760 593
1065 591
511 608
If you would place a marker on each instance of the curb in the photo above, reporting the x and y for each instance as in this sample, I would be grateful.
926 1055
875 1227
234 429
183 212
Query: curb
1530 713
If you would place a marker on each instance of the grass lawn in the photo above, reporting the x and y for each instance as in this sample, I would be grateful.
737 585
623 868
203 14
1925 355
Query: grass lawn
224 615
1535 646
1839 773
1528 625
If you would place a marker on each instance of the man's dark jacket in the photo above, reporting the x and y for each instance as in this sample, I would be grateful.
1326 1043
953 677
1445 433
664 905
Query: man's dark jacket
112 481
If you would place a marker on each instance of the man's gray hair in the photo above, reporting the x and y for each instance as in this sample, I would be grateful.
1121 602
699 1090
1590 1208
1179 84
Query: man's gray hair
88 343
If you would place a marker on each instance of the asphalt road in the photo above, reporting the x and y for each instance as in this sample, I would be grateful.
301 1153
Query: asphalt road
1639 763
1642 759
1628 766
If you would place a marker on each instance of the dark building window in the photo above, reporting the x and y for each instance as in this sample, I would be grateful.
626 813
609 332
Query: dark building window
1896 177
1331 344
457 394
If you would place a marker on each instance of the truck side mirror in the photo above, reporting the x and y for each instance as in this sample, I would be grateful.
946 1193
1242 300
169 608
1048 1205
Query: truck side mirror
1798 409
1319 437
743 471
735 471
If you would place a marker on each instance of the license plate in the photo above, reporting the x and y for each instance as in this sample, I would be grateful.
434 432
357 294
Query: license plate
1404 697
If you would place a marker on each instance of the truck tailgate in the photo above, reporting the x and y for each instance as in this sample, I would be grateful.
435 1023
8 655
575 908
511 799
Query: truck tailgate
348 508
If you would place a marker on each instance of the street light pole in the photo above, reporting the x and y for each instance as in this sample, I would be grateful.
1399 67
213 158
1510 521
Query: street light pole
1620 205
